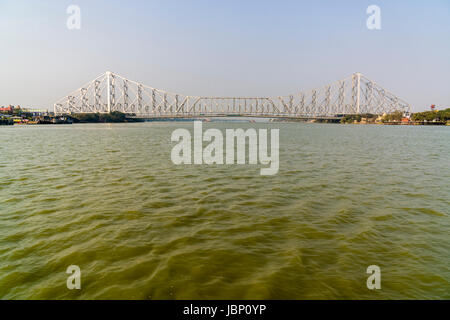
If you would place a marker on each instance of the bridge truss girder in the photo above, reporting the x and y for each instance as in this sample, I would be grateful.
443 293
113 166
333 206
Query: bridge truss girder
111 92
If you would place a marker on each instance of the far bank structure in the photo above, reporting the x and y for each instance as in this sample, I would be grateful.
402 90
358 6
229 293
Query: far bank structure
24 116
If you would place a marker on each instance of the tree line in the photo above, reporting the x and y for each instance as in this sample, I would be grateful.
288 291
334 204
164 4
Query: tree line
441 116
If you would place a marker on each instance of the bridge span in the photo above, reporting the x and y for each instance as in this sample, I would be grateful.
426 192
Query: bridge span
111 92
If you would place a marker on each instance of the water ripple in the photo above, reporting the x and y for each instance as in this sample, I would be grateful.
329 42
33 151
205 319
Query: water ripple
142 228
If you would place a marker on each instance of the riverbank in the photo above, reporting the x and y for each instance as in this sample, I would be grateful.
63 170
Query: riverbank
128 120
25 119
390 123
6 122
434 119
113 117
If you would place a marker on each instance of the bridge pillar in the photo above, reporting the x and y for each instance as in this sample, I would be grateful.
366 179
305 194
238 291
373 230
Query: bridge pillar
108 90
358 92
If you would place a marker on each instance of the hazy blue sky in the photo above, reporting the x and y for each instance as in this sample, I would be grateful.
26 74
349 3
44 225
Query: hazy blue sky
224 48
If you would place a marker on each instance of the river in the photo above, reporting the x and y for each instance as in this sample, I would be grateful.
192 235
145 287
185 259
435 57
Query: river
107 198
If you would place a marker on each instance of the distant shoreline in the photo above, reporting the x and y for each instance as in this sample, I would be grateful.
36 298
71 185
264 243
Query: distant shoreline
435 118
229 121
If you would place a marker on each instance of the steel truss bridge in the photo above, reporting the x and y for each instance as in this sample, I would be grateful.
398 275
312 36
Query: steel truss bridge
111 92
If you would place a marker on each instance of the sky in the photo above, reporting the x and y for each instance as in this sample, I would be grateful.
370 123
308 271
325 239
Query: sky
224 48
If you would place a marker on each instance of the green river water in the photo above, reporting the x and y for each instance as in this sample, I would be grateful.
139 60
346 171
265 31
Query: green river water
107 198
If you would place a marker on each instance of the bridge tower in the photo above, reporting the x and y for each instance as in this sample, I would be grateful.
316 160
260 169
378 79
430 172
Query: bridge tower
358 92
109 89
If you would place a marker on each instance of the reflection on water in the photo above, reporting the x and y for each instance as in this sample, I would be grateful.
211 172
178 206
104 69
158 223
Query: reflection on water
108 199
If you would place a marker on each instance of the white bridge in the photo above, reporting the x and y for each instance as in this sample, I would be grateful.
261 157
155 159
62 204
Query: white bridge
111 92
